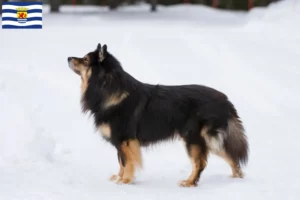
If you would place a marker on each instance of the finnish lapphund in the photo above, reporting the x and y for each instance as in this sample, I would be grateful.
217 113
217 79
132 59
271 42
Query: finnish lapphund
130 114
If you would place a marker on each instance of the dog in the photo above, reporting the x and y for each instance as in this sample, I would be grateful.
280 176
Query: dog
131 114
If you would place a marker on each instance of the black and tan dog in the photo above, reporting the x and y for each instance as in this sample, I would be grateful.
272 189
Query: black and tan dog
131 114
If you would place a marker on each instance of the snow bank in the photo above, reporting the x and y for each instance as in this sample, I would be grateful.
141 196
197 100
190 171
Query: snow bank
284 14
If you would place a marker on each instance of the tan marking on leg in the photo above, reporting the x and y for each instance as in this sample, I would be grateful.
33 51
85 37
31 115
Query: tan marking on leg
132 153
105 130
199 162
235 167
128 176
115 99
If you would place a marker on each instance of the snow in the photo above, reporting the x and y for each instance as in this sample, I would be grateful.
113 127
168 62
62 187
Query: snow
50 150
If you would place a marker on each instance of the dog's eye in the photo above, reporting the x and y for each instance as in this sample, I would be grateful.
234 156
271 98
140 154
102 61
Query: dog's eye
85 59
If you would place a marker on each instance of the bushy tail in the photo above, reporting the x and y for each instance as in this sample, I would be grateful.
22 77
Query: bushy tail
236 144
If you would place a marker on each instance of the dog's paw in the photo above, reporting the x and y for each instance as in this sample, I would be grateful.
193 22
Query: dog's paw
238 175
124 181
187 183
115 177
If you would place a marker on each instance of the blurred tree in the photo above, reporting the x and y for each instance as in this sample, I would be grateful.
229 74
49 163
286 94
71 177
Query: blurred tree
243 4
91 2
54 5
229 4
224 4
114 4
169 2
262 2
153 5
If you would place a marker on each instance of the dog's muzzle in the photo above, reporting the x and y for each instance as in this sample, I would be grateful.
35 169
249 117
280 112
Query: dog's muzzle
71 65
70 62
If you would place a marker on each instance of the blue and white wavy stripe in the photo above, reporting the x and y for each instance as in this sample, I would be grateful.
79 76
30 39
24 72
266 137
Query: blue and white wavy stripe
4 19
5 11
14 15
34 15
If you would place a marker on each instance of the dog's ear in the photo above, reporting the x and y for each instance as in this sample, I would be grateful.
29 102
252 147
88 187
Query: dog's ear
103 53
98 47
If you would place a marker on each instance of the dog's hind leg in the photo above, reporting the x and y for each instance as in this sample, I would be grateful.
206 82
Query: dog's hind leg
235 166
131 151
121 170
198 154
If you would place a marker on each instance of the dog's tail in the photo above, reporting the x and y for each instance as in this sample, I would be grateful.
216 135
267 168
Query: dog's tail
235 141
229 142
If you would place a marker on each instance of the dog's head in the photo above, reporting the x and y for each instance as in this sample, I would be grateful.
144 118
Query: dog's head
82 66
88 64
98 68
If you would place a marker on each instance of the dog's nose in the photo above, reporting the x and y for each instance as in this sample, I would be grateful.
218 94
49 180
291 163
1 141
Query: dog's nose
69 59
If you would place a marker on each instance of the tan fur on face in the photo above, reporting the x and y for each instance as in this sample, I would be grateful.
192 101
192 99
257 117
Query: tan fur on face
133 158
85 76
115 99
80 66
76 66
105 130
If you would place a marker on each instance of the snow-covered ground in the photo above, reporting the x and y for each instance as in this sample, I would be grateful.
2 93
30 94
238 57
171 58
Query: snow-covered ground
49 150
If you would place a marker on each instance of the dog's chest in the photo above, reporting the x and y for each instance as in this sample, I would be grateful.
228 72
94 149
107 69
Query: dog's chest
105 130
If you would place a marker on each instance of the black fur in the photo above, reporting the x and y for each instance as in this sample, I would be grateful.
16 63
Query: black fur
154 113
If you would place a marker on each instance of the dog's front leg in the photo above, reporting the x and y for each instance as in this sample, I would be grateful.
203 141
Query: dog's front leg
121 170
131 151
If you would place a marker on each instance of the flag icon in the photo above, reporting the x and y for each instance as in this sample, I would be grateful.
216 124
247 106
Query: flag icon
22 15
